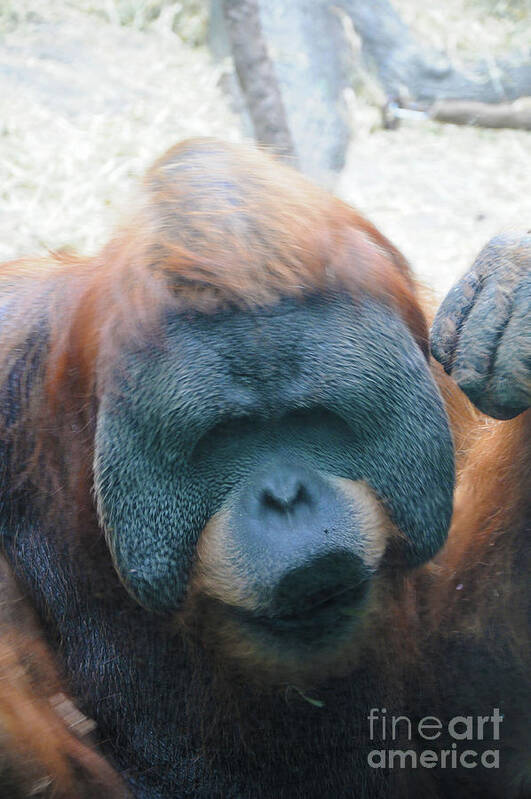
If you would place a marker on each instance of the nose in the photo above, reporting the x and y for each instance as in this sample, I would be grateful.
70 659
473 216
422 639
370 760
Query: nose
300 542
284 492
287 489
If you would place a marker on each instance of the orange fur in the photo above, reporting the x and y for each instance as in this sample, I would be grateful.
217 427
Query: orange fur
492 501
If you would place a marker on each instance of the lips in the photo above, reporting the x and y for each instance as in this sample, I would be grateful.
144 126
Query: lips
323 620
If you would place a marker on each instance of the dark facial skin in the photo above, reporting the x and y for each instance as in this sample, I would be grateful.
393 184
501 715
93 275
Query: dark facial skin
255 414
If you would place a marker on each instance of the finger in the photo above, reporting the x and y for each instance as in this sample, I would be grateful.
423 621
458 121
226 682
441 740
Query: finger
509 387
475 353
503 259
451 317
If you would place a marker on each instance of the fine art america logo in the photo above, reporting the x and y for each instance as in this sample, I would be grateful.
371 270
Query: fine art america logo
459 730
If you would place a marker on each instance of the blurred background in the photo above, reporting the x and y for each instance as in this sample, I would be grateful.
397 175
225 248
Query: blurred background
353 93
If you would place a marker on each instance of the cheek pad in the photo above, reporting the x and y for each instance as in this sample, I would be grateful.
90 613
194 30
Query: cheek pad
149 507
411 467
402 445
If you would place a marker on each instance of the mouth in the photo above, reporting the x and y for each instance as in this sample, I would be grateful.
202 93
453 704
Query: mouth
323 621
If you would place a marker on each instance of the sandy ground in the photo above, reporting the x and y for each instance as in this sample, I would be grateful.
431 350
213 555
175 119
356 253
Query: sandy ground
89 96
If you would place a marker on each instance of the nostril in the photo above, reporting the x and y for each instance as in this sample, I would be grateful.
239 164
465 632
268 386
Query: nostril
284 496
